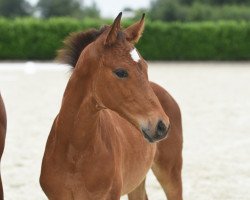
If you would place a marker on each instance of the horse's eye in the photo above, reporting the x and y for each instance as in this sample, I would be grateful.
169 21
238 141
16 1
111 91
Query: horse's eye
121 73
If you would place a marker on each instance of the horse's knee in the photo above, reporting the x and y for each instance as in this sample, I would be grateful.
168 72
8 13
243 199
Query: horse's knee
139 193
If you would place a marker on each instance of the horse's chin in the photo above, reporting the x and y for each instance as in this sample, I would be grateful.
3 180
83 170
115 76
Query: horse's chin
147 136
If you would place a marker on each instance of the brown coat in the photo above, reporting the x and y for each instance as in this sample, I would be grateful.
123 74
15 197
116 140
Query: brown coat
109 131
3 126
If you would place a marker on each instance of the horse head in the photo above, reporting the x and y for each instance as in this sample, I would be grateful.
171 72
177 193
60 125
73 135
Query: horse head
119 78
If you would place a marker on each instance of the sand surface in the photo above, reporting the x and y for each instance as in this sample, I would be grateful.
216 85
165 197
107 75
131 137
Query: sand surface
215 103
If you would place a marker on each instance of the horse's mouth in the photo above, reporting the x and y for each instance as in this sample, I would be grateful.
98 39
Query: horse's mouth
147 136
155 138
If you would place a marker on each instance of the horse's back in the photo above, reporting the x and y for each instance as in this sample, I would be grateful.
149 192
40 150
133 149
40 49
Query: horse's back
173 143
170 106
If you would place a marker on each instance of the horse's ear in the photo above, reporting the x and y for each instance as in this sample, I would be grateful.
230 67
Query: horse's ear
115 28
134 32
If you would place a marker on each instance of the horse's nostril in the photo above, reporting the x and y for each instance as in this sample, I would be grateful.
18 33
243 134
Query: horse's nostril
161 128
160 131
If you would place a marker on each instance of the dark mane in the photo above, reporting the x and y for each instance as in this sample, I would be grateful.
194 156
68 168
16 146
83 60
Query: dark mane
75 43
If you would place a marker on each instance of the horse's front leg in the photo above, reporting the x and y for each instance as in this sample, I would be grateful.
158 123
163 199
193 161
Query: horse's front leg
139 193
116 191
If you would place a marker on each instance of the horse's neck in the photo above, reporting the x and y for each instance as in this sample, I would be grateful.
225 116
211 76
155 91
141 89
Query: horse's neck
78 115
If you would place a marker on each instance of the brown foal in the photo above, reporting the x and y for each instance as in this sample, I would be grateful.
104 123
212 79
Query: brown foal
3 124
110 129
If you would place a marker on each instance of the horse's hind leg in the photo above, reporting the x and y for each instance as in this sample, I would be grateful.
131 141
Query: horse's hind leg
168 159
168 173
138 193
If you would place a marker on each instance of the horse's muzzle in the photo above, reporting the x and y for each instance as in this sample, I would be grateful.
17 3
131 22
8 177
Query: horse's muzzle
160 132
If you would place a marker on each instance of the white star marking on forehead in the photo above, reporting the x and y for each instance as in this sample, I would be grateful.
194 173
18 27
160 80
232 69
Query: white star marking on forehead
134 55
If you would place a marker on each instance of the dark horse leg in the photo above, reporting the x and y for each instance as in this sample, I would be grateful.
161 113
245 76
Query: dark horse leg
3 123
168 159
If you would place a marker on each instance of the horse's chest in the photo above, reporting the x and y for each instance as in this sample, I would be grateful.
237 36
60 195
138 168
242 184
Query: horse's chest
124 154
138 159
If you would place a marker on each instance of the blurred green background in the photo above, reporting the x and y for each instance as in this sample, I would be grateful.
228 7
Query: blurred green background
175 29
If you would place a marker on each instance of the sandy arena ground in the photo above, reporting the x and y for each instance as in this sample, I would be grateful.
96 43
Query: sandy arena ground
215 103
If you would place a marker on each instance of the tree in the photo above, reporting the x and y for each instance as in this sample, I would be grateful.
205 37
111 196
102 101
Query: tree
167 10
51 8
223 2
72 8
14 8
90 11
197 10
